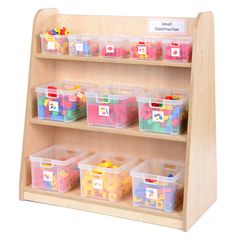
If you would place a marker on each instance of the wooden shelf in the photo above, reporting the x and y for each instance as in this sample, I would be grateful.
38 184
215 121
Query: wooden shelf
114 61
122 208
131 130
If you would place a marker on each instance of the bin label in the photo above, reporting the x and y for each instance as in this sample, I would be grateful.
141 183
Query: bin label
51 45
158 116
110 48
151 193
53 106
98 184
142 50
48 176
79 47
175 52
103 110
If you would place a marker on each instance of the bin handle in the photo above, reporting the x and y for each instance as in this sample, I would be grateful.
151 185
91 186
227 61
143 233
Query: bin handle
169 166
101 100
52 92
156 104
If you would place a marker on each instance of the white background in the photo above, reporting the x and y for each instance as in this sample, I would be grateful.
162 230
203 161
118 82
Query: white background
28 218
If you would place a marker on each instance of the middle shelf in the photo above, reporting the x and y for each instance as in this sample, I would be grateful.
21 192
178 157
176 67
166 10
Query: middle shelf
131 130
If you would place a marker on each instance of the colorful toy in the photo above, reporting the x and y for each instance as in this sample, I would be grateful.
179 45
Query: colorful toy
83 45
55 41
179 49
163 192
58 172
167 114
145 48
107 179
112 106
113 46
62 101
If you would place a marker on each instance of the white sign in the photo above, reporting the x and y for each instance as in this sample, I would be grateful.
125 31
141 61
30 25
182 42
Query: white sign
98 184
51 45
151 193
167 26
79 47
48 176
103 110
53 106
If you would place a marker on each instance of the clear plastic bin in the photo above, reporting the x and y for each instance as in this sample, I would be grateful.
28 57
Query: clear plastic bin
106 176
62 101
113 46
83 45
147 48
54 44
158 184
112 106
177 49
56 168
158 112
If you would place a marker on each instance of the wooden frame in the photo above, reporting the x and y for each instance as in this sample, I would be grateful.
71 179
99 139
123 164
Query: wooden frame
196 147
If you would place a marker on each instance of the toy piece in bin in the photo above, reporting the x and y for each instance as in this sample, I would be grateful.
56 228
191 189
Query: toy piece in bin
163 111
56 168
158 184
106 176
62 101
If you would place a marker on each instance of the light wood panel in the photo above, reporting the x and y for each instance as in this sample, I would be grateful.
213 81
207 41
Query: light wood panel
200 191
39 72
115 60
141 148
122 208
131 130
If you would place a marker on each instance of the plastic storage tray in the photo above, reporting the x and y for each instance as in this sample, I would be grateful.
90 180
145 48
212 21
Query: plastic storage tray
56 168
157 114
62 101
112 105
109 184
113 46
158 184
54 44
177 49
83 45
148 48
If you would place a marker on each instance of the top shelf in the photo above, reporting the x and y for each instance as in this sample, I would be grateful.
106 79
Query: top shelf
127 61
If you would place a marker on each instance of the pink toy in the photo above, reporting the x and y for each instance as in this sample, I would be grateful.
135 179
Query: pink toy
179 49
59 171
114 107
145 48
113 46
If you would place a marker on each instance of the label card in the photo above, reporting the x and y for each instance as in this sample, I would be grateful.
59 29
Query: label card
158 116
48 176
110 48
103 110
51 45
98 184
53 106
79 47
151 193
167 26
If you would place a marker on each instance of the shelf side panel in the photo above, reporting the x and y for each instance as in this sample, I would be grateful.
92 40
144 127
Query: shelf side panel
36 138
200 191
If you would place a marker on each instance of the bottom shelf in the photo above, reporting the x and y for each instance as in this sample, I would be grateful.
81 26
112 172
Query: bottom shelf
122 208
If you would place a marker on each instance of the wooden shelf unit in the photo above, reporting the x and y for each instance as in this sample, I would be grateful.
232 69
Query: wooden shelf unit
196 147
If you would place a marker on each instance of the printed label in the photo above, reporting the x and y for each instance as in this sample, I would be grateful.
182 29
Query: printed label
98 184
53 106
103 110
167 26
175 52
110 48
142 50
48 176
79 47
151 193
158 116
51 45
